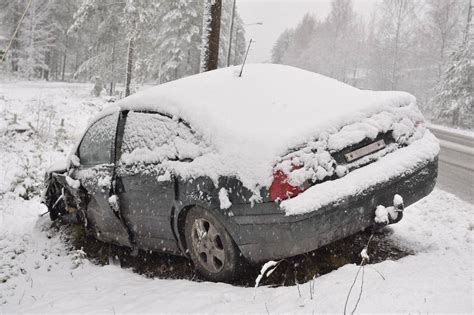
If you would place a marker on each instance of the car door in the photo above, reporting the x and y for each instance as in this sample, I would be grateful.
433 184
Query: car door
95 173
145 187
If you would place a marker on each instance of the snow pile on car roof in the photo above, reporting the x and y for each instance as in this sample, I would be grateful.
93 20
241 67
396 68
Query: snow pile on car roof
254 119
268 109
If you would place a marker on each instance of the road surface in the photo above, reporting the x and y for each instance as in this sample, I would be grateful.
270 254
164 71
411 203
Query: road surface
456 161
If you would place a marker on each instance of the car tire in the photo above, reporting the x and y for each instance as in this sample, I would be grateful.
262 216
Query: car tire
213 252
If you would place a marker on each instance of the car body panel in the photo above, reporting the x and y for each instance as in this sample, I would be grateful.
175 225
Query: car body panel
146 204
277 236
97 181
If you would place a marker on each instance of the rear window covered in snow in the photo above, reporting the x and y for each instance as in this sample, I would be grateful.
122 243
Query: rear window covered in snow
96 145
154 138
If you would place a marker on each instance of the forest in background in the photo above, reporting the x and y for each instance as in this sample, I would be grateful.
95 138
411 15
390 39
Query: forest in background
88 40
420 46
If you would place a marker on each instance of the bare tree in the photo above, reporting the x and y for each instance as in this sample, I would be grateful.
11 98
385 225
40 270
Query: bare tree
398 19
443 15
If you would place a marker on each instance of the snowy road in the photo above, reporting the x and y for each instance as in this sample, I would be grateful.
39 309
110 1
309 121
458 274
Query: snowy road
38 274
456 163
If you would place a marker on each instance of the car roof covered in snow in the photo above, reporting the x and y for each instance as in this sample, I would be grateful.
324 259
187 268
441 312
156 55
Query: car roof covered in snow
269 107
250 122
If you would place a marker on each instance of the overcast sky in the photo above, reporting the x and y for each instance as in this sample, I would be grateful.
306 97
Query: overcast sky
277 15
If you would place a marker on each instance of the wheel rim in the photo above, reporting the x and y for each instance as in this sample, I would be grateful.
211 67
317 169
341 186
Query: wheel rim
208 245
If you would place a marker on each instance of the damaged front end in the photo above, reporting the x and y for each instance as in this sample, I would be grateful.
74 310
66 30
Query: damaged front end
64 199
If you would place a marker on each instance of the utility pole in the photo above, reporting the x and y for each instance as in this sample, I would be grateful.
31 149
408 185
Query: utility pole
236 45
210 35
231 33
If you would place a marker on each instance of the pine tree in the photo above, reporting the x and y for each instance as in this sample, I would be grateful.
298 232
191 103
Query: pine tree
10 17
35 40
89 39
281 46
109 56
301 39
454 99
178 39
239 44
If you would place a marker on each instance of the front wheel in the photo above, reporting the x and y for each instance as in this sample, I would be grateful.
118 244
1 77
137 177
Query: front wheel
212 250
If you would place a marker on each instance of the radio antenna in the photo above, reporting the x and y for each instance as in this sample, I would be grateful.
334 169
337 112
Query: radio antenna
245 59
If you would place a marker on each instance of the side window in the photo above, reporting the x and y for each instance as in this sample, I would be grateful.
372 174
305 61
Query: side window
96 145
154 138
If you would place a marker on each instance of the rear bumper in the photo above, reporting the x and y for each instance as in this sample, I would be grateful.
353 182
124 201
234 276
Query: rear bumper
263 237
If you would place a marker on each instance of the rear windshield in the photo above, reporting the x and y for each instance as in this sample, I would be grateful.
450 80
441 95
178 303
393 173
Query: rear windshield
151 137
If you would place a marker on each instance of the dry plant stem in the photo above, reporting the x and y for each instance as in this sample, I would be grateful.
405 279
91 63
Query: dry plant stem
363 262
360 292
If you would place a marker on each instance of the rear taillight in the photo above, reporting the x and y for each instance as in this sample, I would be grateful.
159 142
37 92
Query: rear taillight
280 189
419 123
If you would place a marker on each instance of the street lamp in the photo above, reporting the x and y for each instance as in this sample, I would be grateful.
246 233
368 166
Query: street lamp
231 31
237 38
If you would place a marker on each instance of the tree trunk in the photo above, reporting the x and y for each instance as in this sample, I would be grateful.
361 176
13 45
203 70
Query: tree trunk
441 56
210 35
236 48
45 72
129 66
455 120
112 85
63 70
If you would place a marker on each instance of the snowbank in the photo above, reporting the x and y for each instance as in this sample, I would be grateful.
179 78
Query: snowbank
44 277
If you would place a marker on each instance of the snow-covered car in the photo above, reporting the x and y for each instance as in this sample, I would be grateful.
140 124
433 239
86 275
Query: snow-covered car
220 168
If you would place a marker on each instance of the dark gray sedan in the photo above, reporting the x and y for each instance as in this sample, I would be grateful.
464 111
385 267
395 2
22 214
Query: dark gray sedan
180 169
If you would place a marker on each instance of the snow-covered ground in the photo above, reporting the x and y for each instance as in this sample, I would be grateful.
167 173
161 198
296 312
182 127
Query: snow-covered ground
39 274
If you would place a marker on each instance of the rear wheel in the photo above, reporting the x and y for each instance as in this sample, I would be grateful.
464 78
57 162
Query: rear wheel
212 250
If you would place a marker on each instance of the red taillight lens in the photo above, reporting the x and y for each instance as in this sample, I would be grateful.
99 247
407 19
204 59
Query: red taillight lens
419 123
280 188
